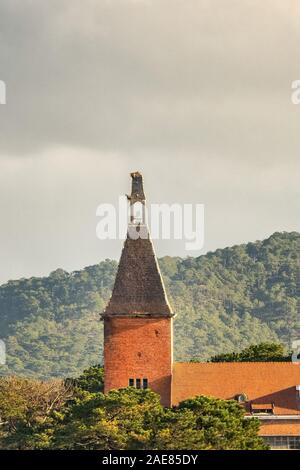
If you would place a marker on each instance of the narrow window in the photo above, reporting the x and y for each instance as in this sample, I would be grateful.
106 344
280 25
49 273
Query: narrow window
145 383
131 382
257 408
138 383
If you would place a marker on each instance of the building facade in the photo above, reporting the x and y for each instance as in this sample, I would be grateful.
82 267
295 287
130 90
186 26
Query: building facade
138 346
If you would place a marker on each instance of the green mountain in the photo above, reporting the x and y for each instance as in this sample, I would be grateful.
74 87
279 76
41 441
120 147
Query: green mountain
225 301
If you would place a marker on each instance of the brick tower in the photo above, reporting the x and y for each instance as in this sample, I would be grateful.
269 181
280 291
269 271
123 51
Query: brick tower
138 318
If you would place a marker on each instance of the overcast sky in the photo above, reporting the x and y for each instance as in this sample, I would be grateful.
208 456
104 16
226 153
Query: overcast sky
195 94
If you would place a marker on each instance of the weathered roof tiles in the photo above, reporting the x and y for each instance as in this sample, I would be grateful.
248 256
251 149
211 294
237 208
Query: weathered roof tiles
139 288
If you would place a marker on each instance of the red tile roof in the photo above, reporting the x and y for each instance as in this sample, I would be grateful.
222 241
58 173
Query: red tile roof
262 382
280 428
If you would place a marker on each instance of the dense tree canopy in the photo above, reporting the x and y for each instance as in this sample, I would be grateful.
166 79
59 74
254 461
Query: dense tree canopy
91 380
75 415
225 301
134 419
262 352
26 405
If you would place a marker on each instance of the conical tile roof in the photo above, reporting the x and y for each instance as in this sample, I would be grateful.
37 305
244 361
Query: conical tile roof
139 288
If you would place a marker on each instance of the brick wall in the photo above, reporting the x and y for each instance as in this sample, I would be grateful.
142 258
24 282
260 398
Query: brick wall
138 348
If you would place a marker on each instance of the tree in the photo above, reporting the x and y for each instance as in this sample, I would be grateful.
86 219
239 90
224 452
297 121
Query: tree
222 424
54 415
122 419
91 379
130 419
26 406
178 431
262 352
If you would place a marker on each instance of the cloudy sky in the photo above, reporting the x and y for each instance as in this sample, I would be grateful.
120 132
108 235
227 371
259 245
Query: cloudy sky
195 94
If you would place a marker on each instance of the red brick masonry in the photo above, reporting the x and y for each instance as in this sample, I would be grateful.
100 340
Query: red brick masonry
138 348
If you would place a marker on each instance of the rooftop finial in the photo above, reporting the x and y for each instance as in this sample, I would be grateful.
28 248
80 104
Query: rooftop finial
137 190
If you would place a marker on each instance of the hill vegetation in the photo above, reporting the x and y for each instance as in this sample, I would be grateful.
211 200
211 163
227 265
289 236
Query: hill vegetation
225 301
263 352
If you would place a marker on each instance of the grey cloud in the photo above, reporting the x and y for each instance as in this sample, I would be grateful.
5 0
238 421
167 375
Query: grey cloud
134 75
196 94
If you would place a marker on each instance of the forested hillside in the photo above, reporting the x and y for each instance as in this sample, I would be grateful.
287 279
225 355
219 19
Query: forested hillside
225 301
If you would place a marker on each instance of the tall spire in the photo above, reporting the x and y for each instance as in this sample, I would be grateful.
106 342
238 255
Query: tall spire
139 288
